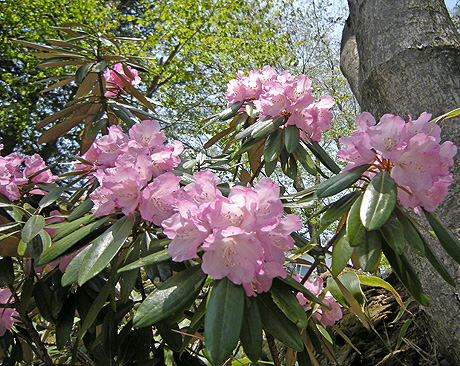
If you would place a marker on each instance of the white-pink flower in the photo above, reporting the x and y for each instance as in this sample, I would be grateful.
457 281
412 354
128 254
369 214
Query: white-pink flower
114 84
7 315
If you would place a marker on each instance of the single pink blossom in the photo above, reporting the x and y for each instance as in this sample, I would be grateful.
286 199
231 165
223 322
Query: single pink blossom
7 315
148 134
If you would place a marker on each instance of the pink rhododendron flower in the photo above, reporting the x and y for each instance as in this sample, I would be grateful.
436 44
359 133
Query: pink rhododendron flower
243 236
114 84
325 316
13 175
7 315
410 152
283 94
125 164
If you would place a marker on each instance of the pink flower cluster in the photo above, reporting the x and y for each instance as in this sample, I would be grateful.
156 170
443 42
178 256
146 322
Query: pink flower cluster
13 176
410 151
7 315
325 316
133 171
114 84
243 236
283 94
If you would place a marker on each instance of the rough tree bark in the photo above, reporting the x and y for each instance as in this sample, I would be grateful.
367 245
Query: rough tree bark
403 57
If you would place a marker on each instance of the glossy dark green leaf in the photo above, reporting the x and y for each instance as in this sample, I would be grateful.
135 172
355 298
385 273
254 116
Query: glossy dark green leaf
82 72
96 306
270 167
288 164
356 232
223 319
170 296
324 157
109 335
51 197
105 248
341 253
406 274
273 146
437 264
6 270
350 281
170 334
411 234
62 245
48 306
337 209
393 232
448 241
251 331
67 228
156 257
71 272
100 66
340 181
369 253
291 138
303 359
304 158
80 210
285 299
379 201
276 323
246 146
266 127
99 121
26 295
32 227
65 322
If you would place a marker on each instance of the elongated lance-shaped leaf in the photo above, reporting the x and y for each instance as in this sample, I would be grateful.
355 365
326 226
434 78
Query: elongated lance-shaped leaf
248 130
51 197
81 209
411 234
276 323
170 296
378 282
266 127
356 231
379 201
341 253
340 181
251 330
67 228
304 158
157 257
105 248
405 273
32 227
285 299
448 241
323 156
71 272
274 145
291 138
337 209
230 111
368 254
223 319
393 232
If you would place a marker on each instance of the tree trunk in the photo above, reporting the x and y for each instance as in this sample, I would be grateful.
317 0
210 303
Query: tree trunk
403 57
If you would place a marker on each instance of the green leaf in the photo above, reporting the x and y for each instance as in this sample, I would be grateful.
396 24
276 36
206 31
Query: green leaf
223 319
393 232
324 157
449 242
301 288
379 201
288 164
67 228
406 274
340 181
82 72
273 146
337 209
437 264
230 111
62 245
378 282
369 253
170 296
270 167
195 324
71 272
157 257
95 308
351 282
304 158
51 197
6 270
291 138
276 323
402 332
341 253
32 227
266 127
251 331
411 234
285 299
80 210
65 322
105 248
356 232
99 121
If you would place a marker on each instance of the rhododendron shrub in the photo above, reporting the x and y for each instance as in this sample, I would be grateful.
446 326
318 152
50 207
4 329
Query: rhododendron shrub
243 236
411 152
283 95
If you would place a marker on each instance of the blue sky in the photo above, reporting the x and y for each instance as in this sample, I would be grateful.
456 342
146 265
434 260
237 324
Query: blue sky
450 3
